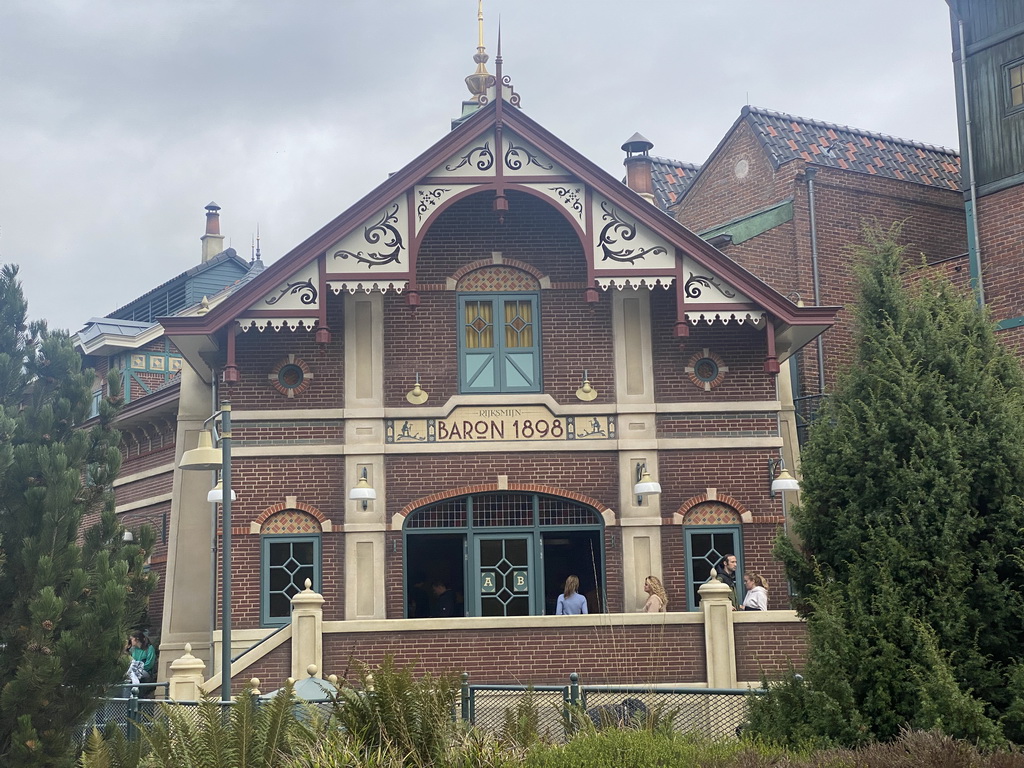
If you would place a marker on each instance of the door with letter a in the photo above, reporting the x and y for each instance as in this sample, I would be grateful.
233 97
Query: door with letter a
504 575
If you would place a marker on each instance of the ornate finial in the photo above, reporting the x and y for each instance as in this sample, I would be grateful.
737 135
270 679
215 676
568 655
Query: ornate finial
477 82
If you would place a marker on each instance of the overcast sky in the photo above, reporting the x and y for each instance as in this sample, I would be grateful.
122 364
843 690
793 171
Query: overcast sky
121 119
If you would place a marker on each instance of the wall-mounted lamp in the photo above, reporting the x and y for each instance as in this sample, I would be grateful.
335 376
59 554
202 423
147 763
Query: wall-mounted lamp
416 395
363 491
645 486
127 537
780 478
586 392
216 494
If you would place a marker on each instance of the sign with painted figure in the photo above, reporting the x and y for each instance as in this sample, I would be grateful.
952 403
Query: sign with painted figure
470 424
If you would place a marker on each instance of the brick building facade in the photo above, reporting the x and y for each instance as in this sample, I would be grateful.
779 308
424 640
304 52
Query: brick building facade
501 339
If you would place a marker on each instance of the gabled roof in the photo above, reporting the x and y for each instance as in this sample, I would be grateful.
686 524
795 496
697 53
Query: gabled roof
229 259
671 180
788 137
195 334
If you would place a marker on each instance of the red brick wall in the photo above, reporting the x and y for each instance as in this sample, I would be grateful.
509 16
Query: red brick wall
741 347
272 670
257 353
609 654
1001 233
533 232
769 649
844 202
245 577
741 473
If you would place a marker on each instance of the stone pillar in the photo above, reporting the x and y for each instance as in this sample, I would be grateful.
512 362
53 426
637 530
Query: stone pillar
719 643
307 631
186 677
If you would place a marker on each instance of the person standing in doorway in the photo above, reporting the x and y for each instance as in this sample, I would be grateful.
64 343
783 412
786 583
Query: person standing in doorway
571 602
444 600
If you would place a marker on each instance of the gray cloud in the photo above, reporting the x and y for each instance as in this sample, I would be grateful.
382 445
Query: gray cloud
121 120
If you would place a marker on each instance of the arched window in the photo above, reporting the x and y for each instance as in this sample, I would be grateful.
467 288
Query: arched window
289 554
501 554
711 530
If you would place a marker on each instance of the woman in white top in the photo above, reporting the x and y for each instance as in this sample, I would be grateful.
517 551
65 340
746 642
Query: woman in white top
658 600
571 602
757 593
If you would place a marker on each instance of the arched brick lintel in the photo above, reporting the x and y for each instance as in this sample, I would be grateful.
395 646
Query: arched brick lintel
461 272
320 517
493 487
722 498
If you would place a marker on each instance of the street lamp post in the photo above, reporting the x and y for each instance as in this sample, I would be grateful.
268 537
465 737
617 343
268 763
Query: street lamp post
206 457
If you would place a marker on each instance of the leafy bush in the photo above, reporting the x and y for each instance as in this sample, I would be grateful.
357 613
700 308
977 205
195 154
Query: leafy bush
398 712
252 734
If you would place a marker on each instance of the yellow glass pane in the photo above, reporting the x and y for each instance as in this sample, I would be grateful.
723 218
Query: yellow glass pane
1017 75
518 324
479 325
1017 96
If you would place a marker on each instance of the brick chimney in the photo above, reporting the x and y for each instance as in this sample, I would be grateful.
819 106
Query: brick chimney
213 240
639 166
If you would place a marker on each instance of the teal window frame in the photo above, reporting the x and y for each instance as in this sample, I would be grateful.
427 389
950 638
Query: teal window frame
505 362
737 537
266 619
472 532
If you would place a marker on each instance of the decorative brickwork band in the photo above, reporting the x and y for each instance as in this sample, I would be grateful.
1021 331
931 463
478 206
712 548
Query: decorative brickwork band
712 513
291 521
515 265
303 518
701 510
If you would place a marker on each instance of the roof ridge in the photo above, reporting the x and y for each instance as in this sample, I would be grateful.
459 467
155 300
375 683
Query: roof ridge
680 163
860 131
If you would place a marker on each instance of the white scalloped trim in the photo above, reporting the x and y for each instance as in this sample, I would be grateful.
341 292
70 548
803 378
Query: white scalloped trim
337 286
277 323
650 282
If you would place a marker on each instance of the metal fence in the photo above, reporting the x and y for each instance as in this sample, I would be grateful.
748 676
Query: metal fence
554 712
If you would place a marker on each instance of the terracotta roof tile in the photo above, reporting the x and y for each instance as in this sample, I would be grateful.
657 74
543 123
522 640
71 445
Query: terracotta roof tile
671 180
787 137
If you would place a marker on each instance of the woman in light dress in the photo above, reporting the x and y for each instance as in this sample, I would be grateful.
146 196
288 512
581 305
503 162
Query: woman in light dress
658 600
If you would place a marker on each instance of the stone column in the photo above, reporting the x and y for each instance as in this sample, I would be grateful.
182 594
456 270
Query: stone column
307 631
719 643
186 677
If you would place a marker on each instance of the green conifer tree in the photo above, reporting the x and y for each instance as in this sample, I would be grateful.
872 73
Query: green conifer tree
911 516
67 596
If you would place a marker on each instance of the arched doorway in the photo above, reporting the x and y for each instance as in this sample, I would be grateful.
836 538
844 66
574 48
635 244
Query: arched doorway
502 553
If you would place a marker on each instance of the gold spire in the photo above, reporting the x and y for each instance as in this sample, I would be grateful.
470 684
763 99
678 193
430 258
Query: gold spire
477 82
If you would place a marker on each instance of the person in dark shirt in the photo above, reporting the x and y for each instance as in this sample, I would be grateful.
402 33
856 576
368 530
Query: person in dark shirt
444 600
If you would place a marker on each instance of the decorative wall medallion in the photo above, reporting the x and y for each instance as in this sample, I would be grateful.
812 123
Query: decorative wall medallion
484 158
616 233
291 376
383 234
694 285
706 370
428 198
514 158
304 289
